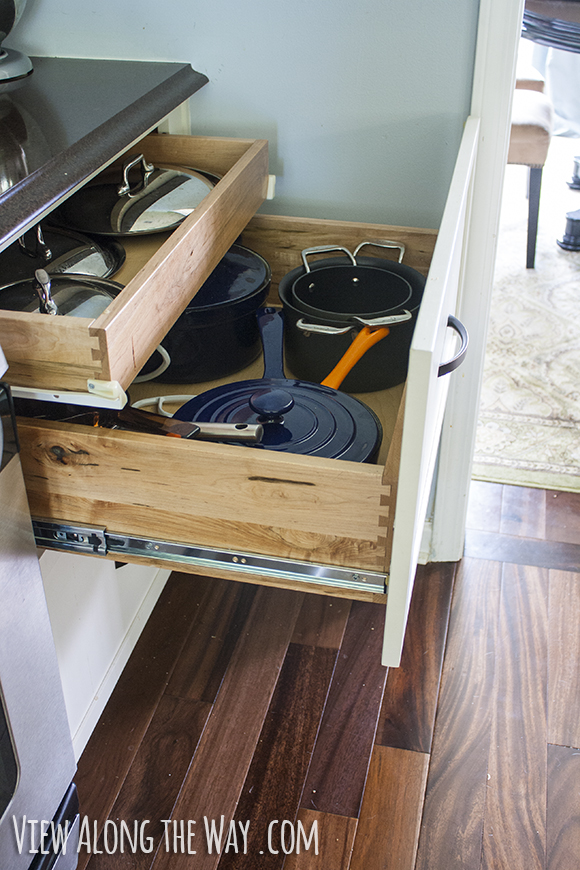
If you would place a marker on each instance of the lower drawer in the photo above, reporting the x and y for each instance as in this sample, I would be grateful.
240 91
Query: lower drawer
235 503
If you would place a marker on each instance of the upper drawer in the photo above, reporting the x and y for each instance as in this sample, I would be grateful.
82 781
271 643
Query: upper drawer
63 353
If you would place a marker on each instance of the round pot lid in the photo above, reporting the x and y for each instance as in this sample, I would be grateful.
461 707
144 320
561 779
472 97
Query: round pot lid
297 416
139 199
414 278
73 296
59 252
347 292
238 275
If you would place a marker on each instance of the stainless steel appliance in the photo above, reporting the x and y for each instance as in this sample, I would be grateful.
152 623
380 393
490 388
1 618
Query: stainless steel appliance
13 64
36 756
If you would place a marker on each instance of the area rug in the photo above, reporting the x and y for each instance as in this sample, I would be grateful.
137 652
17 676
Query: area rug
529 420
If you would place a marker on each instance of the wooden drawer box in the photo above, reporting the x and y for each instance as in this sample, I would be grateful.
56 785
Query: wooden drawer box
320 525
302 508
299 508
61 353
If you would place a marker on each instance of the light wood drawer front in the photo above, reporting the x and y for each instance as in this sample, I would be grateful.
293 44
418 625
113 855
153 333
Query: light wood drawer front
62 353
207 494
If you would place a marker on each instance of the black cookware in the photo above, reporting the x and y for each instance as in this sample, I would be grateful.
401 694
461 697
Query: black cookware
361 294
297 416
327 301
218 334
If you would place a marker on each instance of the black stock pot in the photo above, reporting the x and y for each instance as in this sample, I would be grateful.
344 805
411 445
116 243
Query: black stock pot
326 302
217 334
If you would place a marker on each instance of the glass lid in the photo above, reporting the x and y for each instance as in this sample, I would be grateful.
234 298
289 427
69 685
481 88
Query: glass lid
145 199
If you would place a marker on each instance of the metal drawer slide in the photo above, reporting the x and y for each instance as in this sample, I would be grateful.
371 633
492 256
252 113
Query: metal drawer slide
100 542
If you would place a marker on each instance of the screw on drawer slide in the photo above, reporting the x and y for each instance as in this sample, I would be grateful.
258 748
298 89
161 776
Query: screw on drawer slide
100 542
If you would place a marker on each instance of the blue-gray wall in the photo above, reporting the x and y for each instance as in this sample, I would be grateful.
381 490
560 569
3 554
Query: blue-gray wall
363 102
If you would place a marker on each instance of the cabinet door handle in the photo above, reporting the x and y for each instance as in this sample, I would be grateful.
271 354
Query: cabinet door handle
456 361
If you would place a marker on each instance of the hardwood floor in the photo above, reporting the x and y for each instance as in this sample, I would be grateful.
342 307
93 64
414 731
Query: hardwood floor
270 709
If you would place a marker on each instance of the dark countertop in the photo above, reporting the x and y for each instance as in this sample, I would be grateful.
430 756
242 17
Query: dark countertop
70 117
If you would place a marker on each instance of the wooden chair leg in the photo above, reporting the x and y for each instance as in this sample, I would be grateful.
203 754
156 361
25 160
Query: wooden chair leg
535 183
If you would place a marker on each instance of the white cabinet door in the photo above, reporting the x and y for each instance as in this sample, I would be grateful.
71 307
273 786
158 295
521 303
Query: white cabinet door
433 344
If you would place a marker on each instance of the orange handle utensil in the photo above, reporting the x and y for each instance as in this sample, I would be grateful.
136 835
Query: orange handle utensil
363 341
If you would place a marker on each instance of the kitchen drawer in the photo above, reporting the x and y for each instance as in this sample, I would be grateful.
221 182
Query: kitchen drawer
65 353
319 525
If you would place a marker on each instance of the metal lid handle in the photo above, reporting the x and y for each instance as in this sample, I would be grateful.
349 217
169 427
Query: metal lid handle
146 168
46 302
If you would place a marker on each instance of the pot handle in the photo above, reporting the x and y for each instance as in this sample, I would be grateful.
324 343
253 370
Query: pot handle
386 320
162 367
456 361
46 303
383 244
365 339
146 168
271 326
41 249
324 249
320 329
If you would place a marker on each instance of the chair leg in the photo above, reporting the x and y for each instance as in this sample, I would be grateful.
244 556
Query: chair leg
535 184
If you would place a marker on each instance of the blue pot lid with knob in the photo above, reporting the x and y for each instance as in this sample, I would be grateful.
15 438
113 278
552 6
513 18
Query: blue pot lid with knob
297 416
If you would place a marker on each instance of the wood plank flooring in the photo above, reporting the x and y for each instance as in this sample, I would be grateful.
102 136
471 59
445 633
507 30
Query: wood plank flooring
268 712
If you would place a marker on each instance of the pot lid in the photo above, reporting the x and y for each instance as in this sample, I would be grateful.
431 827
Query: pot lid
59 252
239 274
140 199
79 296
350 291
411 275
297 416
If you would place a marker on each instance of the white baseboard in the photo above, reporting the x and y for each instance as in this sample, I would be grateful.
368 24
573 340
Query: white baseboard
87 725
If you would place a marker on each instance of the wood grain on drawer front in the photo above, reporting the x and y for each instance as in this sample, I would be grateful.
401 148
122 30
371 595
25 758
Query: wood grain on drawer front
61 353
223 496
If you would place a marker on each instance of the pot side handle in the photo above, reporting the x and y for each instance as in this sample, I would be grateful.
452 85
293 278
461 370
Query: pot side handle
325 249
456 361
382 243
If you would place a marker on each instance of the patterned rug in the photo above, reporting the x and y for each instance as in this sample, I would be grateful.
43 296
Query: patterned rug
529 420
